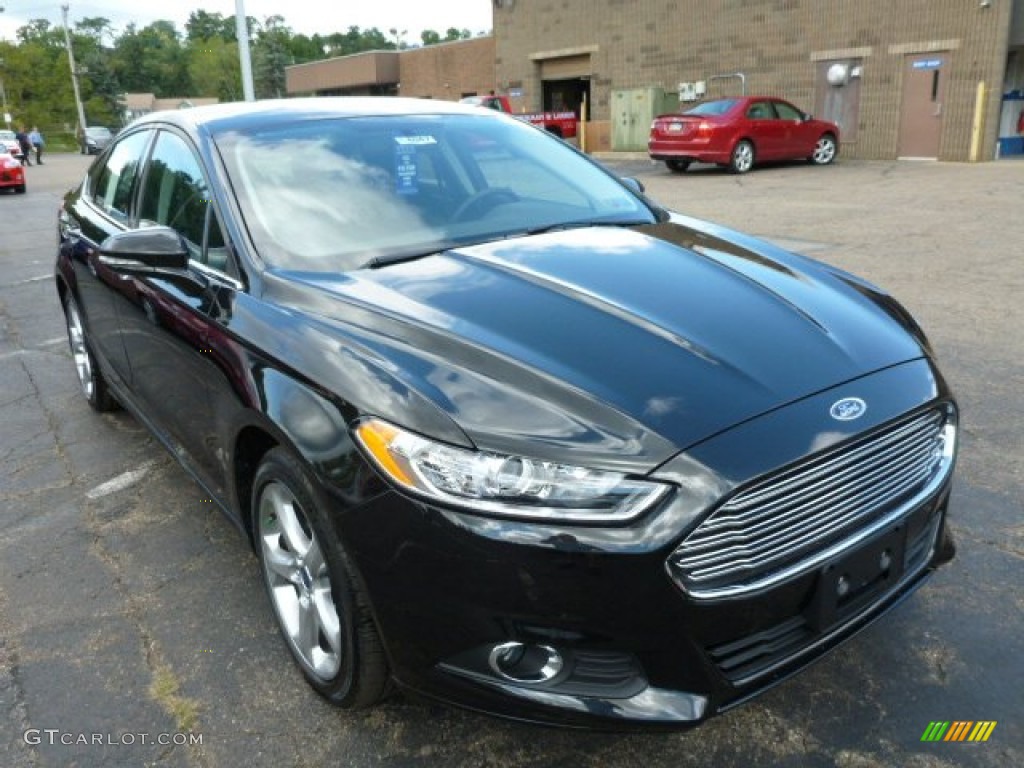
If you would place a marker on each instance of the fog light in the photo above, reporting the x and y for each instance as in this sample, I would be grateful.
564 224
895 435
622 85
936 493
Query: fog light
525 663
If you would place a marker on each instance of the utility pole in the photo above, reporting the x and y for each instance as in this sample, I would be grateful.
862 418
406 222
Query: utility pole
242 33
74 72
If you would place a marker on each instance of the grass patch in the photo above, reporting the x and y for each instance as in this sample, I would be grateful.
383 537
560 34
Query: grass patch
165 691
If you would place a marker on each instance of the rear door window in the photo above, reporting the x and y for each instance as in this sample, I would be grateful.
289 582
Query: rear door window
788 112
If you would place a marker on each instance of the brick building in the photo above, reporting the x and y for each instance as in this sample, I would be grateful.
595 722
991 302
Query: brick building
444 71
903 78
906 83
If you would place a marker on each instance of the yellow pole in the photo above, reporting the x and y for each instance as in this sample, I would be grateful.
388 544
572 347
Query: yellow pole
979 121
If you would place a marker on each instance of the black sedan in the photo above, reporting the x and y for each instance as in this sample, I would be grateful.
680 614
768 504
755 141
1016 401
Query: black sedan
502 430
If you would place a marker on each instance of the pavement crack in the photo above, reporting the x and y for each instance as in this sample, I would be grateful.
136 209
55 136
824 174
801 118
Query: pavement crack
165 687
12 697
52 421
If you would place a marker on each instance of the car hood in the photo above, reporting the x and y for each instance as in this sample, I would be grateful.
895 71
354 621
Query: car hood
624 345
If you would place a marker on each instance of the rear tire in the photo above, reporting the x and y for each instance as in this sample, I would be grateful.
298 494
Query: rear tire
321 608
677 165
742 158
20 189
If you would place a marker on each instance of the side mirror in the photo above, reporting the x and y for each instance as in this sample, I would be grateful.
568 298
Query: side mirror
146 249
633 184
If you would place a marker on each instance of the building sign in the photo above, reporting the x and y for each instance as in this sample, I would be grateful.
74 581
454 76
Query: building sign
928 64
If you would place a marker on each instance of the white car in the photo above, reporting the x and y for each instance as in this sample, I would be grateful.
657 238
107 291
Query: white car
9 144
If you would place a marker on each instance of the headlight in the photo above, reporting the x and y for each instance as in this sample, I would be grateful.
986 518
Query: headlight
511 486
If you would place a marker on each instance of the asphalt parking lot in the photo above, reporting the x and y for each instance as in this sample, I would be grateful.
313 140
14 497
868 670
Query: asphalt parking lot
130 609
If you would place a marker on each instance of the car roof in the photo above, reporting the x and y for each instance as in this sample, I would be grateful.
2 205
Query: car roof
745 98
231 115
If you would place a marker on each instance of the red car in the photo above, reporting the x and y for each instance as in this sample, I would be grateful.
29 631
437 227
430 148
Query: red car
12 174
739 132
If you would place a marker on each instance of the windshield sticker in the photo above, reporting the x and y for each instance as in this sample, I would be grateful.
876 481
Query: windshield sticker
415 140
405 169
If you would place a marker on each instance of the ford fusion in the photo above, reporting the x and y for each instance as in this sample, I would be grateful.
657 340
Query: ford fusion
501 430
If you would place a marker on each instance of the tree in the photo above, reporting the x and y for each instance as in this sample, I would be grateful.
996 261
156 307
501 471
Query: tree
152 59
430 37
100 88
202 26
39 32
270 56
214 70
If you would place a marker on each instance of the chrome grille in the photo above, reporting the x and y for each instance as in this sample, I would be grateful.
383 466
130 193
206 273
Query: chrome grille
791 521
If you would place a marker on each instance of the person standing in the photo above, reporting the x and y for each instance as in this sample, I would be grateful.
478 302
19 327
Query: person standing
26 145
36 138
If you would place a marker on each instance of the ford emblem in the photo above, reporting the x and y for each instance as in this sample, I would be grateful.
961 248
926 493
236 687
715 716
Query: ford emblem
848 409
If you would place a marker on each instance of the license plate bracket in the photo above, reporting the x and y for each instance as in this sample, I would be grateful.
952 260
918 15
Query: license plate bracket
853 579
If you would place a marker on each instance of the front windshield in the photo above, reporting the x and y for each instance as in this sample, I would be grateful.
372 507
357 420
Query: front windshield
8 135
335 194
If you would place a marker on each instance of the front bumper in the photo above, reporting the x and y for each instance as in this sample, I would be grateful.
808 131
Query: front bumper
635 648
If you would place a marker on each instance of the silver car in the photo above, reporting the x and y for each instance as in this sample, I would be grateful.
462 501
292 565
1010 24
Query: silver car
96 139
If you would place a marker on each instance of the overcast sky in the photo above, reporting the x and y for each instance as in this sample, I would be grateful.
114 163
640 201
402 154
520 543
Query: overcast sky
303 16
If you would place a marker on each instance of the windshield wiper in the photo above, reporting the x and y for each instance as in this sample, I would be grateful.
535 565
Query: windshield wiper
566 225
408 254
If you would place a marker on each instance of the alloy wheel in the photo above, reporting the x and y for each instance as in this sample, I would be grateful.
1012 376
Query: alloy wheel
824 150
80 352
299 582
743 157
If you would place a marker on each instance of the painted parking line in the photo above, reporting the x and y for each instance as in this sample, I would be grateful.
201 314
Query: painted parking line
119 483
28 281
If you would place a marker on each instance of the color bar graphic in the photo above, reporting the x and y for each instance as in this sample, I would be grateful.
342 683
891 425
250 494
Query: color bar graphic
958 730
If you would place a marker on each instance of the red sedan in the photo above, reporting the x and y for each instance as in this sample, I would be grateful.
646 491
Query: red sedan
12 174
739 132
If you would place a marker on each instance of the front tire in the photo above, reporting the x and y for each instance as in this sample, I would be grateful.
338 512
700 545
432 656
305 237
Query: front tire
742 158
93 385
677 165
320 606
825 150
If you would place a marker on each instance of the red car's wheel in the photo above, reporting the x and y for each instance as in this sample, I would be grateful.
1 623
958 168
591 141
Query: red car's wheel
677 165
825 150
742 159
